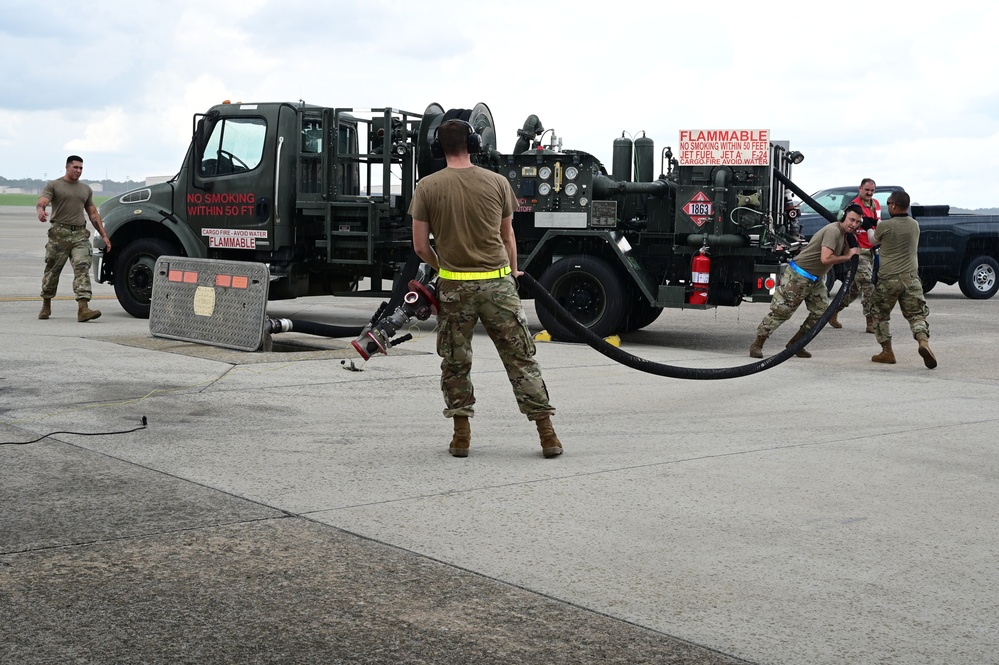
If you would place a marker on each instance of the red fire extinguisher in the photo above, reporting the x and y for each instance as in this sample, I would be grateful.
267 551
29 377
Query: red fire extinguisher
700 271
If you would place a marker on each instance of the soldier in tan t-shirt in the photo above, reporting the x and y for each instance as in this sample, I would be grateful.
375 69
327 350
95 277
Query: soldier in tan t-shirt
898 282
802 281
469 210
72 203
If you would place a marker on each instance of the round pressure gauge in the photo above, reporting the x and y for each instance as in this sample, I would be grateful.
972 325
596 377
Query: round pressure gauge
571 189
571 172
512 175
544 189
544 173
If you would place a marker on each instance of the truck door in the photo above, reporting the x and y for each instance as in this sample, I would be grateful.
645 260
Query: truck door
230 205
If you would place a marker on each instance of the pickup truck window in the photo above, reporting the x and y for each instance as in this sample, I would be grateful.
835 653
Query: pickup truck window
835 200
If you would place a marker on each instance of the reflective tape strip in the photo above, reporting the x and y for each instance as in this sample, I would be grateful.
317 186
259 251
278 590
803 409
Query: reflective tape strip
468 276
801 271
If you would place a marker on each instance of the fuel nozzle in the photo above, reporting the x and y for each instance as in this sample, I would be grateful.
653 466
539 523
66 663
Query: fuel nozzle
419 303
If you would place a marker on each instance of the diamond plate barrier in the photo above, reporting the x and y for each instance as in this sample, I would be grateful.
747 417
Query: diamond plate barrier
210 301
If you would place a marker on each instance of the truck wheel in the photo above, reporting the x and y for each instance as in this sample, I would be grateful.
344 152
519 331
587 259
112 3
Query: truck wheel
928 284
979 278
641 314
592 292
133 274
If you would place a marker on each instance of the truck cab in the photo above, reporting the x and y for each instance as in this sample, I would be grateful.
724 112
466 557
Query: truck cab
318 194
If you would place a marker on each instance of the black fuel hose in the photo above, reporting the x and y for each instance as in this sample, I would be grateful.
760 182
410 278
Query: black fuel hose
312 328
641 364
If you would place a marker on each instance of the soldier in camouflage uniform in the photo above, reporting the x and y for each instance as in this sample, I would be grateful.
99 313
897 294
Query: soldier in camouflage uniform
72 202
898 281
803 281
863 281
469 211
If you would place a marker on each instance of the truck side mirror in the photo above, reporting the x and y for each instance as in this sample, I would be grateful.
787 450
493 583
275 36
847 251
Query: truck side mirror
199 141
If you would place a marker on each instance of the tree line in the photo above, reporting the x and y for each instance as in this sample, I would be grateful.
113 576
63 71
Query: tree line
111 187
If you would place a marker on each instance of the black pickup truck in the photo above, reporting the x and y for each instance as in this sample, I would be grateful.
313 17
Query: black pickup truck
954 248
961 248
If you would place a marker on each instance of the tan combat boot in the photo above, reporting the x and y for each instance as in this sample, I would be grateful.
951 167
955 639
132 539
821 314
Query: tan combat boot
462 438
870 324
85 313
834 321
550 445
46 308
756 350
801 353
886 356
929 359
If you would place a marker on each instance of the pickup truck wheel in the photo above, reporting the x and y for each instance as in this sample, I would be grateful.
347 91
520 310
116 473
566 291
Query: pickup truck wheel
133 274
979 278
928 284
592 292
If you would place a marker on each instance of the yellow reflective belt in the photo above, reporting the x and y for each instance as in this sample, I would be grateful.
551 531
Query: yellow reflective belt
467 276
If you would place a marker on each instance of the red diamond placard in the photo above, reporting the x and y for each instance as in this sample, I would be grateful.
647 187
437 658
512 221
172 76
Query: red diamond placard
699 209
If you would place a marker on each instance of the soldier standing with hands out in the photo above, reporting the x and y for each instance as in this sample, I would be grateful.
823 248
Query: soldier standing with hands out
469 211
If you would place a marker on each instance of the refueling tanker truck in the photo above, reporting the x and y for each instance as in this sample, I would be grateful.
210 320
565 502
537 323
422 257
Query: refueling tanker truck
320 195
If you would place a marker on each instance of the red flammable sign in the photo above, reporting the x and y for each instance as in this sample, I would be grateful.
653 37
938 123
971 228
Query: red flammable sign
699 209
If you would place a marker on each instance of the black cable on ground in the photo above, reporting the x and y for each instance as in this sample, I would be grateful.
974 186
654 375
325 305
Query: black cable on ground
618 355
45 436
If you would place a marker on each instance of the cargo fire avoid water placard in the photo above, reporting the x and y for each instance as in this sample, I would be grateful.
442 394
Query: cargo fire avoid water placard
728 147
233 238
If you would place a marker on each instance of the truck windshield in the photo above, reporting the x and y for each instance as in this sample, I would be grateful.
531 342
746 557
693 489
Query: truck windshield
235 146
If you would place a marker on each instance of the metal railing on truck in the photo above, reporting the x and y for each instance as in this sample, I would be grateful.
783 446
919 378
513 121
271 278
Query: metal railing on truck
357 173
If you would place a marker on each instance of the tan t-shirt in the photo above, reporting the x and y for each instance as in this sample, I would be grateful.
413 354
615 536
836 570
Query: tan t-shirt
69 201
464 208
899 238
810 258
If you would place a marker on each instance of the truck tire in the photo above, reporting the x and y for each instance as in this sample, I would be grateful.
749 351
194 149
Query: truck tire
641 313
927 283
979 278
592 292
133 274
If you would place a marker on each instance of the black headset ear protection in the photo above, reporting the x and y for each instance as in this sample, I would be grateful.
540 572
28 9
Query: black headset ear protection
473 142
841 215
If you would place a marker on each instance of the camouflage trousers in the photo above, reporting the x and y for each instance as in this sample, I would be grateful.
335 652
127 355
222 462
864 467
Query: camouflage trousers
907 291
70 243
863 283
792 291
495 302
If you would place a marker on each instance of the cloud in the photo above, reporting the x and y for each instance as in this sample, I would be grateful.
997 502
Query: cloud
102 132
887 89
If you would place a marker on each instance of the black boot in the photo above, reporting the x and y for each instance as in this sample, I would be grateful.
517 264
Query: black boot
798 335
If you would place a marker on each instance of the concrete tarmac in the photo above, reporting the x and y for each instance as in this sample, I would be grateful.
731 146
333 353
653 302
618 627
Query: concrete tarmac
278 508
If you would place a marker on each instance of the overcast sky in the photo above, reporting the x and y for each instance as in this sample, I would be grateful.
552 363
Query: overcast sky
903 93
